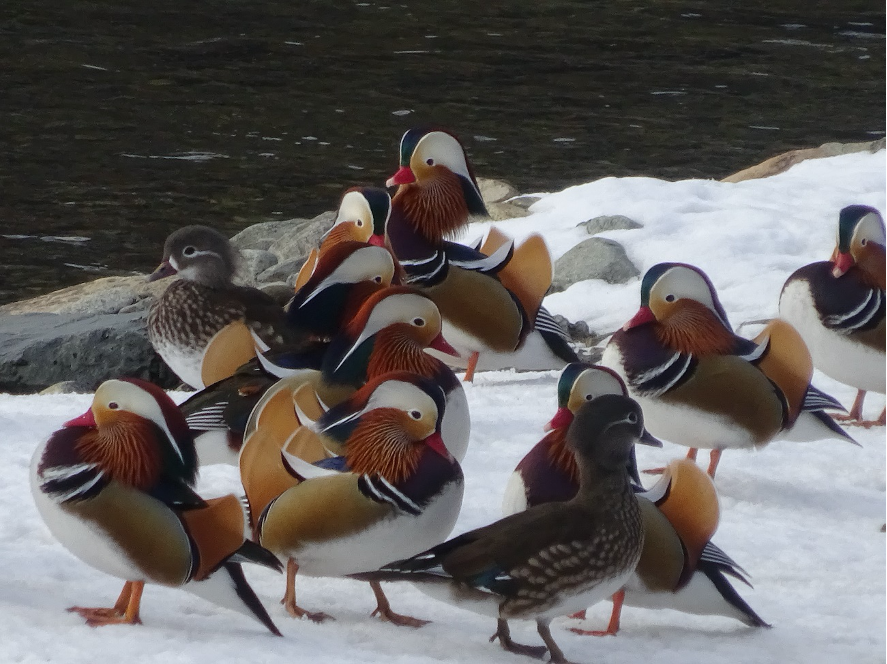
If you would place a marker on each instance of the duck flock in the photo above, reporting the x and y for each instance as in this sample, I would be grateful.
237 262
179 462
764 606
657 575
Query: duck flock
346 423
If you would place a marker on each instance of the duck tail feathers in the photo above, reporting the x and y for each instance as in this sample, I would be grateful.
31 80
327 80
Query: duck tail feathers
229 588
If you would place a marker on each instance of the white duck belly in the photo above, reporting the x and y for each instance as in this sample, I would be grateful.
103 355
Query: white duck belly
836 355
385 541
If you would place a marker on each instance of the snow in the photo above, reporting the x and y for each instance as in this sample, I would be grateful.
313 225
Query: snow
803 519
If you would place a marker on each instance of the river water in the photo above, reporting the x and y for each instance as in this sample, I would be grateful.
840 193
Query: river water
124 120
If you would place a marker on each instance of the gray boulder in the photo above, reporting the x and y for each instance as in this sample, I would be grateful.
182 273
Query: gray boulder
594 258
497 195
610 222
261 236
302 238
41 349
254 262
109 295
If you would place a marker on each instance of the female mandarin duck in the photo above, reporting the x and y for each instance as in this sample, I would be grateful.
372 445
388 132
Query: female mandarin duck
553 558
204 326
679 568
389 333
115 488
703 386
490 304
393 492
342 283
362 216
549 471
838 307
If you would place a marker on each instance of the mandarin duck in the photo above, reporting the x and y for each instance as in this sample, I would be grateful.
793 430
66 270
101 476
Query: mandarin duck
549 471
700 384
362 215
837 307
342 280
342 283
394 491
203 325
114 486
491 302
679 568
389 333
553 558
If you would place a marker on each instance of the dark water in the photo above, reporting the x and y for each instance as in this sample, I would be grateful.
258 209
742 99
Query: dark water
121 121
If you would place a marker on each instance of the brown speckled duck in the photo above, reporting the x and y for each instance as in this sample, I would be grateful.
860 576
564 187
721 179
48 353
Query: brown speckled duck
203 325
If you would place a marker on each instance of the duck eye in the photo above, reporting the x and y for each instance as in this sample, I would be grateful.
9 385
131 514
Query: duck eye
632 417
430 162
669 298
589 397
113 405
415 414
377 279
189 251
359 223
418 322
864 241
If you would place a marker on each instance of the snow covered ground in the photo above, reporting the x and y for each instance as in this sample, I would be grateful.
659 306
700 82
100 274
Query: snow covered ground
803 518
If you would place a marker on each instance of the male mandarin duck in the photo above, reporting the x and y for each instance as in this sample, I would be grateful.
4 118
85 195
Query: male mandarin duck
554 558
700 384
679 568
837 307
389 333
394 491
114 486
490 303
362 216
341 281
341 284
203 325
549 471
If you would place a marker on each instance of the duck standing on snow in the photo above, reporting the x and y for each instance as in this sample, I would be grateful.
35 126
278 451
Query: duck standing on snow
342 282
700 384
680 568
553 558
838 307
114 486
390 332
490 304
393 492
203 325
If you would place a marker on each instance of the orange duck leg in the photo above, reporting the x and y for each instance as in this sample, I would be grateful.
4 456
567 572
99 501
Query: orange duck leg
124 612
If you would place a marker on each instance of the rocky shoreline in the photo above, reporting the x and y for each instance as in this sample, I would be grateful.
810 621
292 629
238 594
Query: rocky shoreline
73 339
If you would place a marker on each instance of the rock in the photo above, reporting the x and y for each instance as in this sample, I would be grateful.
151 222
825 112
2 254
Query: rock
594 258
252 263
66 387
298 243
109 295
495 191
501 211
261 236
285 271
496 195
786 160
281 291
524 200
610 222
41 349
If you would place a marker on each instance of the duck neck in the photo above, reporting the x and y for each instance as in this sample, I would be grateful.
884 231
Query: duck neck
602 487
